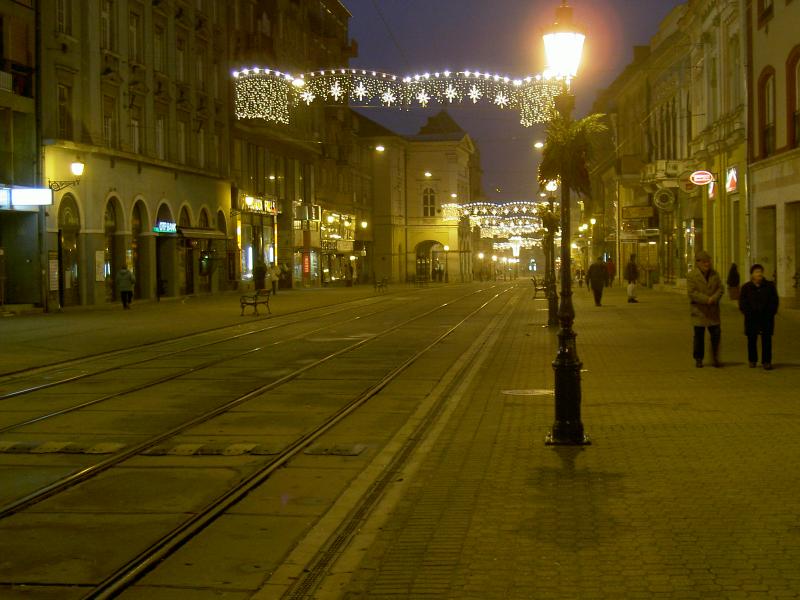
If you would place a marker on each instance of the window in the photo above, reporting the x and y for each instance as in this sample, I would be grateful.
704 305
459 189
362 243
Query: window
734 73
201 147
216 150
765 11
160 140
107 33
135 38
64 16
136 130
64 112
200 68
110 121
793 98
180 60
182 142
428 203
766 111
159 48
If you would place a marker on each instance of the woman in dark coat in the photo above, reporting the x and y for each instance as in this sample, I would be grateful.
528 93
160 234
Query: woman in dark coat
758 301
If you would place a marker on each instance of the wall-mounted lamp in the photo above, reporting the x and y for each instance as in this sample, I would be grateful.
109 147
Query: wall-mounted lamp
76 168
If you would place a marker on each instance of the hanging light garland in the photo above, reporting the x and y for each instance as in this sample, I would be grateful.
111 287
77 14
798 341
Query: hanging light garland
498 219
269 94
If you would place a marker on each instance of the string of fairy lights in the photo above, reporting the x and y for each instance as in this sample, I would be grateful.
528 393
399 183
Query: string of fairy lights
269 94
499 219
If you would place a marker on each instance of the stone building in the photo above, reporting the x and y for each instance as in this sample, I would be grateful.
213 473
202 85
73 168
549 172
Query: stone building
773 78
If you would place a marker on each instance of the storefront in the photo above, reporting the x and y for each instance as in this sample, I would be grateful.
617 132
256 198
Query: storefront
337 237
257 233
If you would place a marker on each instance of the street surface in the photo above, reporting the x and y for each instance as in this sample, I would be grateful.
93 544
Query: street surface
438 486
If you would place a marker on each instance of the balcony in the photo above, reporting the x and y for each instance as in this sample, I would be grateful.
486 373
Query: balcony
16 78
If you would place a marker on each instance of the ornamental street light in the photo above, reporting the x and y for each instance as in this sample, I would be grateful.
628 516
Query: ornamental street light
76 168
564 45
550 280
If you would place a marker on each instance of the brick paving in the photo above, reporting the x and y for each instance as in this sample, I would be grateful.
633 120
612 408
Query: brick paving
691 488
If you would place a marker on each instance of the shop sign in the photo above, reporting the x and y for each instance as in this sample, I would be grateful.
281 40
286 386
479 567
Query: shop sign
5 197
712 190
31 196
732 180
306 263
701 177
637 212
344 245
165 227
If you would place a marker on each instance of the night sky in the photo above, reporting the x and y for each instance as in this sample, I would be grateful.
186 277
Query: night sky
502 36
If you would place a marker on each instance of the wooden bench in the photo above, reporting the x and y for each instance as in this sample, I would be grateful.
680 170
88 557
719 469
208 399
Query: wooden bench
381 285
538 286
260 297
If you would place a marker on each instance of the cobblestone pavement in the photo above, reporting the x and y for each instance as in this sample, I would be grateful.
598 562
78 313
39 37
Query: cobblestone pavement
691 488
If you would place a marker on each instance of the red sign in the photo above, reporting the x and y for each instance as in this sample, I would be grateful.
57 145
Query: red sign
306 263
732 181
701 177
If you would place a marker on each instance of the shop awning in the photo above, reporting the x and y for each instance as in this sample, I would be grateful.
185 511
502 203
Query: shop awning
201 234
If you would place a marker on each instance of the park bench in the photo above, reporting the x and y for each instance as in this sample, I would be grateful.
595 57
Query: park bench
381 285
260 297
538 286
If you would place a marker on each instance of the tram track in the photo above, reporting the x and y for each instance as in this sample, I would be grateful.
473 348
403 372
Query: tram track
115 459
133 570
15 376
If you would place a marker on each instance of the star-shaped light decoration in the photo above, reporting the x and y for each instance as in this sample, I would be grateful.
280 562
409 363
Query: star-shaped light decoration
388 97
308 97
423 98
501 100
336 91
360 91
475 94
450 93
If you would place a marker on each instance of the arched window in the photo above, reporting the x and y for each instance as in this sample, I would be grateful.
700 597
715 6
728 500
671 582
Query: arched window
203 221
766 112
793 98
184 220
428 202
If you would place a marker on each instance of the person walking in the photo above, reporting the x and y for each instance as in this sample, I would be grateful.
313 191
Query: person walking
274 276
632 276
758 301
124 281
596 279
611 269
704 287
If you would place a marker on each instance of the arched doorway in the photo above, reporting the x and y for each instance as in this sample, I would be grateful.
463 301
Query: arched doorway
69 226
205 260
430 260
111 260
186 256
138 221
166 251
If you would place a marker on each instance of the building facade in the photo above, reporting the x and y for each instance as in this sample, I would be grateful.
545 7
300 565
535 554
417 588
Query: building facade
773 77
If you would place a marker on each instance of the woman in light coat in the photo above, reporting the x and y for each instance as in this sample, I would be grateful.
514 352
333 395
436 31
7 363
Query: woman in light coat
705 291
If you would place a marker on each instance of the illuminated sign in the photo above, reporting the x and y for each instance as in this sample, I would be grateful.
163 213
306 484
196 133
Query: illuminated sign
165 227
306 263
712 190
732 180
31 197
701 177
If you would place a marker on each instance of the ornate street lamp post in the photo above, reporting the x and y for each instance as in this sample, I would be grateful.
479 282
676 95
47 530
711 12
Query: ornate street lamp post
552 295
563 46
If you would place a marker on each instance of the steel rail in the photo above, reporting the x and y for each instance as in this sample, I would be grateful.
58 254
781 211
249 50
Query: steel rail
86 473
128 574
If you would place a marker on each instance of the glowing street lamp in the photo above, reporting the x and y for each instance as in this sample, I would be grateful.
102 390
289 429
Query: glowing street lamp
563 43
76 168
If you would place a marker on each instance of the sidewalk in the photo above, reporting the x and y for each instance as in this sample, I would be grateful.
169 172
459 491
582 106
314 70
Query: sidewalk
35 339
691 488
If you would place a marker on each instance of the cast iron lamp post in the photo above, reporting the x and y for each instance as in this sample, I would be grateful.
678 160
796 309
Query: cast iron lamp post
563 45
552 295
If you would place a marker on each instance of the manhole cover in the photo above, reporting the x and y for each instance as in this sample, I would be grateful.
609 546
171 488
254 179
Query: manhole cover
528 392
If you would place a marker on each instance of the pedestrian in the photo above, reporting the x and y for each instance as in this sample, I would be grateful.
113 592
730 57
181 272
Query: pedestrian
596 279
611 269
125 281
632 276
274 275
260 275
758 302
705 290
733 282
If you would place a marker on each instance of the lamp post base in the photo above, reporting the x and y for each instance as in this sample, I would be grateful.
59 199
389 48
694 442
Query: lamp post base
554 438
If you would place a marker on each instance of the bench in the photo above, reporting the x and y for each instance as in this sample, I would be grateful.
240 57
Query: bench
538 286
260 297
381 285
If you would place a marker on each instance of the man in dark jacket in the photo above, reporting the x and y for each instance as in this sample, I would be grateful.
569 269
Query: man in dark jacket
758 301
632 276
596 278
